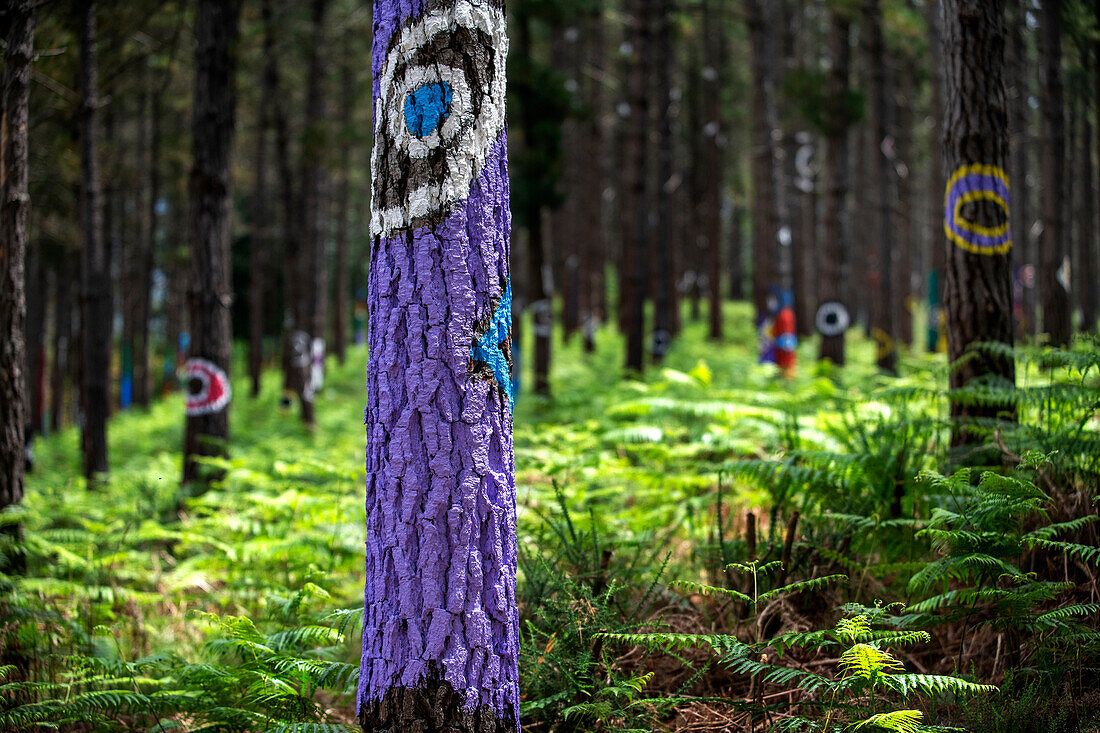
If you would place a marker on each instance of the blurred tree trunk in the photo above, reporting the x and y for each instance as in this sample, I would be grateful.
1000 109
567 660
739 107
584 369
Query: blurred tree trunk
594 244
736 254
95 279
833 263
565 219
665 300
1019 71
881 285
635 252
770 233
260 232
905 255
714 143
1055 255
978 298
14 212
64 274
35 340
936 181
145 219
1087 258
210 291
342 305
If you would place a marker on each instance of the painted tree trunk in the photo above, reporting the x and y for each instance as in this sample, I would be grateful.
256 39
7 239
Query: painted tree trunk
440 625
832 318
95 277
1055 253
978 298
207 429
14 212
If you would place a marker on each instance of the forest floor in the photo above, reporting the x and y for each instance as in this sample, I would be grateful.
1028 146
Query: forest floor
236 609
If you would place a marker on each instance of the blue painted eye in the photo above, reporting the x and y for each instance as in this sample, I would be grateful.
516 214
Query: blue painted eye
427 107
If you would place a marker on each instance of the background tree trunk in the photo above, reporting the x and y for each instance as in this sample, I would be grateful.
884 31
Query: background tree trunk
832 265
714 137
636 251
937 245
260 232
978 296
1055 294
210 293
14 213
95 279
440 627
342 305
64 274
882 271
665 300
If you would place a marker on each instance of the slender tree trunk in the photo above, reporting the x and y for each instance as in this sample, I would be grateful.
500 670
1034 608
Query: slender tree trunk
771 233
882 275
143 266
14 213
735 264
1019 123
665 302
936 181
978 297
832 317
440 625
594 244
1055 255
64 273
343 203
95 279
210 295
905 254
34 290
1087 258
259 237
714 133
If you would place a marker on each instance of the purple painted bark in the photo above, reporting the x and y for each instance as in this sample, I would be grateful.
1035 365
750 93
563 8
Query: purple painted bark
440 638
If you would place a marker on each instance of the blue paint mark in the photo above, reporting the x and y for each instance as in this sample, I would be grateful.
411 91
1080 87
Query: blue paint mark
488 350
427 107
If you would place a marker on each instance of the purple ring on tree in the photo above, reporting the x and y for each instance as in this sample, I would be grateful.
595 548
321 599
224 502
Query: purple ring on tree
971 184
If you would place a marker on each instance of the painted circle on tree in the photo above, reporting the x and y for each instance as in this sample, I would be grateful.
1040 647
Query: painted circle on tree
207 387
438 114
970 185
832 319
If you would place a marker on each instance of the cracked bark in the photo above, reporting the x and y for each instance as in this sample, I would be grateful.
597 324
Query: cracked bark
978 297
440 625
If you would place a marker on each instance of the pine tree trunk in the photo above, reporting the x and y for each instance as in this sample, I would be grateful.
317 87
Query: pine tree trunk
635 261
95 278
440 627
144 264
1055 289
832 317
210 294
714 134
35 341
978 298
665 300
1020 127
62 339
594 244
905 253
770 233
14 213
881 284
259 235
937 244
1087 256
343 205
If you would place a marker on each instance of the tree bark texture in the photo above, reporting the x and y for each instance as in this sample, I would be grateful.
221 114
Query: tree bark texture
210 294
440 628
832 317
977 208
1055 253
95 277
14 212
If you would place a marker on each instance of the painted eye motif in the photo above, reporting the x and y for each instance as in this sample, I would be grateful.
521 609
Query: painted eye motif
491 353
207 387
832 319
970 186
439 112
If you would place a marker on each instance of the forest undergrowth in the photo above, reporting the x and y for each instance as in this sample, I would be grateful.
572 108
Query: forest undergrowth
709 547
